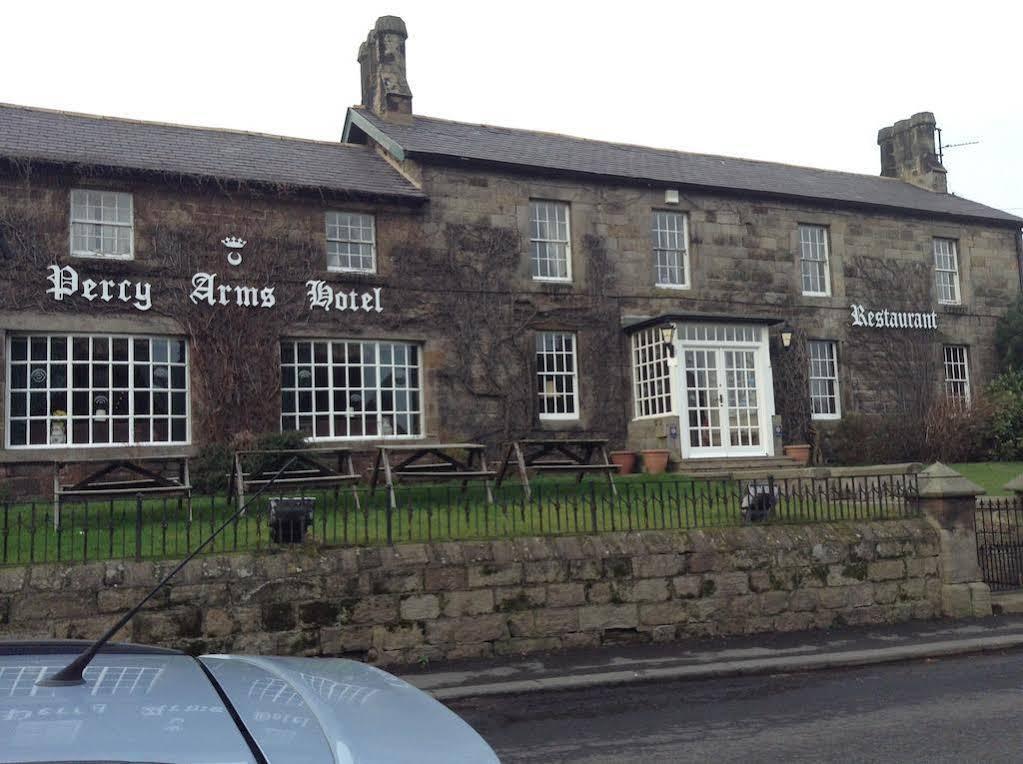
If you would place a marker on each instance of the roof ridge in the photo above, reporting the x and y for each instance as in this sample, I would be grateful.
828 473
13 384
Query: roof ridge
661 148
176 125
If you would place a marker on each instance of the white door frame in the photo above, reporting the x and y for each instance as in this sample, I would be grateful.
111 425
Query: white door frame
711 338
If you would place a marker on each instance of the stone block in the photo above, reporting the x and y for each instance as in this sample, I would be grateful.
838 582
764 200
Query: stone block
772 603
608 617
860 595
958 559
563 595
658 565
579 640
793 622
865 616
886 570
804 599
599 593
885 593
663 613
494 574
545 571
980 596
511 598
921 566
12 579
557 621
445 579
469 650
377 609
829 553
832 597
522 624
473 602
480 628
728 584
585 570
704 561
646 590
849 574
687 587
397 637
913 588
956 601
217 622
419 607
277 616
335 640
403 555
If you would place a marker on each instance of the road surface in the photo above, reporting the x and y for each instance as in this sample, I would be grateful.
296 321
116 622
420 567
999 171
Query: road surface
967 709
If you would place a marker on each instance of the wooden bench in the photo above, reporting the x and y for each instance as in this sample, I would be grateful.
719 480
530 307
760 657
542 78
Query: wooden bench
309 468
123 478
445 463
558 455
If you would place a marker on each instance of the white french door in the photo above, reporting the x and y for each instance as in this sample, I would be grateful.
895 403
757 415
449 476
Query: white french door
724 399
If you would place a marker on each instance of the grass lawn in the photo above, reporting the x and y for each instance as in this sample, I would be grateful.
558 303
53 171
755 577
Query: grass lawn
991 476
112 529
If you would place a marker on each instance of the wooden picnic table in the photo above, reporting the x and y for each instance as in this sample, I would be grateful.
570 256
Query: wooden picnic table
123 478
558 455
444 462
309 468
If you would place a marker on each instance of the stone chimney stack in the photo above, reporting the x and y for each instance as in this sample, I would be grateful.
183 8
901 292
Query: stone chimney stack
907 153
385 89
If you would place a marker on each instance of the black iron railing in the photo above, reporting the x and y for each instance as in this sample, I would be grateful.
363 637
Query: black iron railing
999 524
169 527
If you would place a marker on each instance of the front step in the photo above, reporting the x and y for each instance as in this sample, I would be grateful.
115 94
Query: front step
726 467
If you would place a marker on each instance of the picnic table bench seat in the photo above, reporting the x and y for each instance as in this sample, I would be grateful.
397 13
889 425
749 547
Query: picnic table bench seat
444 461
577 456
308 468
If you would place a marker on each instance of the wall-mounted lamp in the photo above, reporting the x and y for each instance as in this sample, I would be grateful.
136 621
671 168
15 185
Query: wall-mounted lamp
786 336
668 339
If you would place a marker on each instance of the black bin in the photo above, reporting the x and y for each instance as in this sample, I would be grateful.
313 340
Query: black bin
290 519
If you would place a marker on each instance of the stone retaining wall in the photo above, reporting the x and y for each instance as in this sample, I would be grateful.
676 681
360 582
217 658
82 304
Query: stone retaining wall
417 602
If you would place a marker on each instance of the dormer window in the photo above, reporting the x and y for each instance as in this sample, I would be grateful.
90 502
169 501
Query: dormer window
351 242
102 224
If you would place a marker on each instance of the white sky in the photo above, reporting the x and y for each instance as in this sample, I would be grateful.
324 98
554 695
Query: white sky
804 83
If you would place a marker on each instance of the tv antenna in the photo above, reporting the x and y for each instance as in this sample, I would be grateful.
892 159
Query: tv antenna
942 147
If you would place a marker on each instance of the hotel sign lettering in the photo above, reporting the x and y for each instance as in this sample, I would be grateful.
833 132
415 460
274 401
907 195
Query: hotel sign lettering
206 288
892 319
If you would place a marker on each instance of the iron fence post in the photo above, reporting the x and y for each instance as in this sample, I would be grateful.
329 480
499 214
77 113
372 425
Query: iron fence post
138 527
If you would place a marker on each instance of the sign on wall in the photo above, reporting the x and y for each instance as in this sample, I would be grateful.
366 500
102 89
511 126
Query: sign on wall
892 319
210 289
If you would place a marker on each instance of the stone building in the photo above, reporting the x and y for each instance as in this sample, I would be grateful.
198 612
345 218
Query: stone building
164 287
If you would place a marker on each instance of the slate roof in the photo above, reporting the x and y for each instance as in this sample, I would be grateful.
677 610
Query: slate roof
431 137
64 137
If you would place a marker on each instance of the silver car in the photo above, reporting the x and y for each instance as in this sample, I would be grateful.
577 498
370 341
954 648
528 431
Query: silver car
144 704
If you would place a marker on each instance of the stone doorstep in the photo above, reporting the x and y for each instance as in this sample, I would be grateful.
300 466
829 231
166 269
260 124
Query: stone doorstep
1005 603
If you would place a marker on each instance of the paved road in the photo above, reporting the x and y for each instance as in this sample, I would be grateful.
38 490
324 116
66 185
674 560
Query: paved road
967 709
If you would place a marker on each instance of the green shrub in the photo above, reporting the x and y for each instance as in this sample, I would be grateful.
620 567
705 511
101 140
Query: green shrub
209 470
1009 337
1006 395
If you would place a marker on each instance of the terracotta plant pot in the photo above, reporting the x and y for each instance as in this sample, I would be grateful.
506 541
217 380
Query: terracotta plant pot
655 461
625 461
800 453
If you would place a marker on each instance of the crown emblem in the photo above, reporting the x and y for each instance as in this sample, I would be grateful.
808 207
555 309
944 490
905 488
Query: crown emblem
233 242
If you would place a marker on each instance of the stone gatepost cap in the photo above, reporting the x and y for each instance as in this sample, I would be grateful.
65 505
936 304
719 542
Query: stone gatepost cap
1015 485
940 481
393 24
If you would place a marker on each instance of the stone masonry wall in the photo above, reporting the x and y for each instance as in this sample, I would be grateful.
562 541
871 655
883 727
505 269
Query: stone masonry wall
418 602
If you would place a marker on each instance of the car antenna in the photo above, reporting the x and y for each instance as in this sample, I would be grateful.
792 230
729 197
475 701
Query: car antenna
72 674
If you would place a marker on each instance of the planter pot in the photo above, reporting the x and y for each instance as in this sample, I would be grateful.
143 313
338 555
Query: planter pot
800 453
655 461
625 461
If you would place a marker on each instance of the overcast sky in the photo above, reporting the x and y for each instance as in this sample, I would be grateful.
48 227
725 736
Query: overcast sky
803 83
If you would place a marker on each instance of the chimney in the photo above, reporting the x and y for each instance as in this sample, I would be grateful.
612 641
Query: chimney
382 60
907 153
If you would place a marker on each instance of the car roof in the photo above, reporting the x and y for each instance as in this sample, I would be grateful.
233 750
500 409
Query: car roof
153 705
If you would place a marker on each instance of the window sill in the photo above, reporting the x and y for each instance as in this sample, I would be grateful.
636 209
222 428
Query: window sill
675 287
825 417
816 294
95 256
68 453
